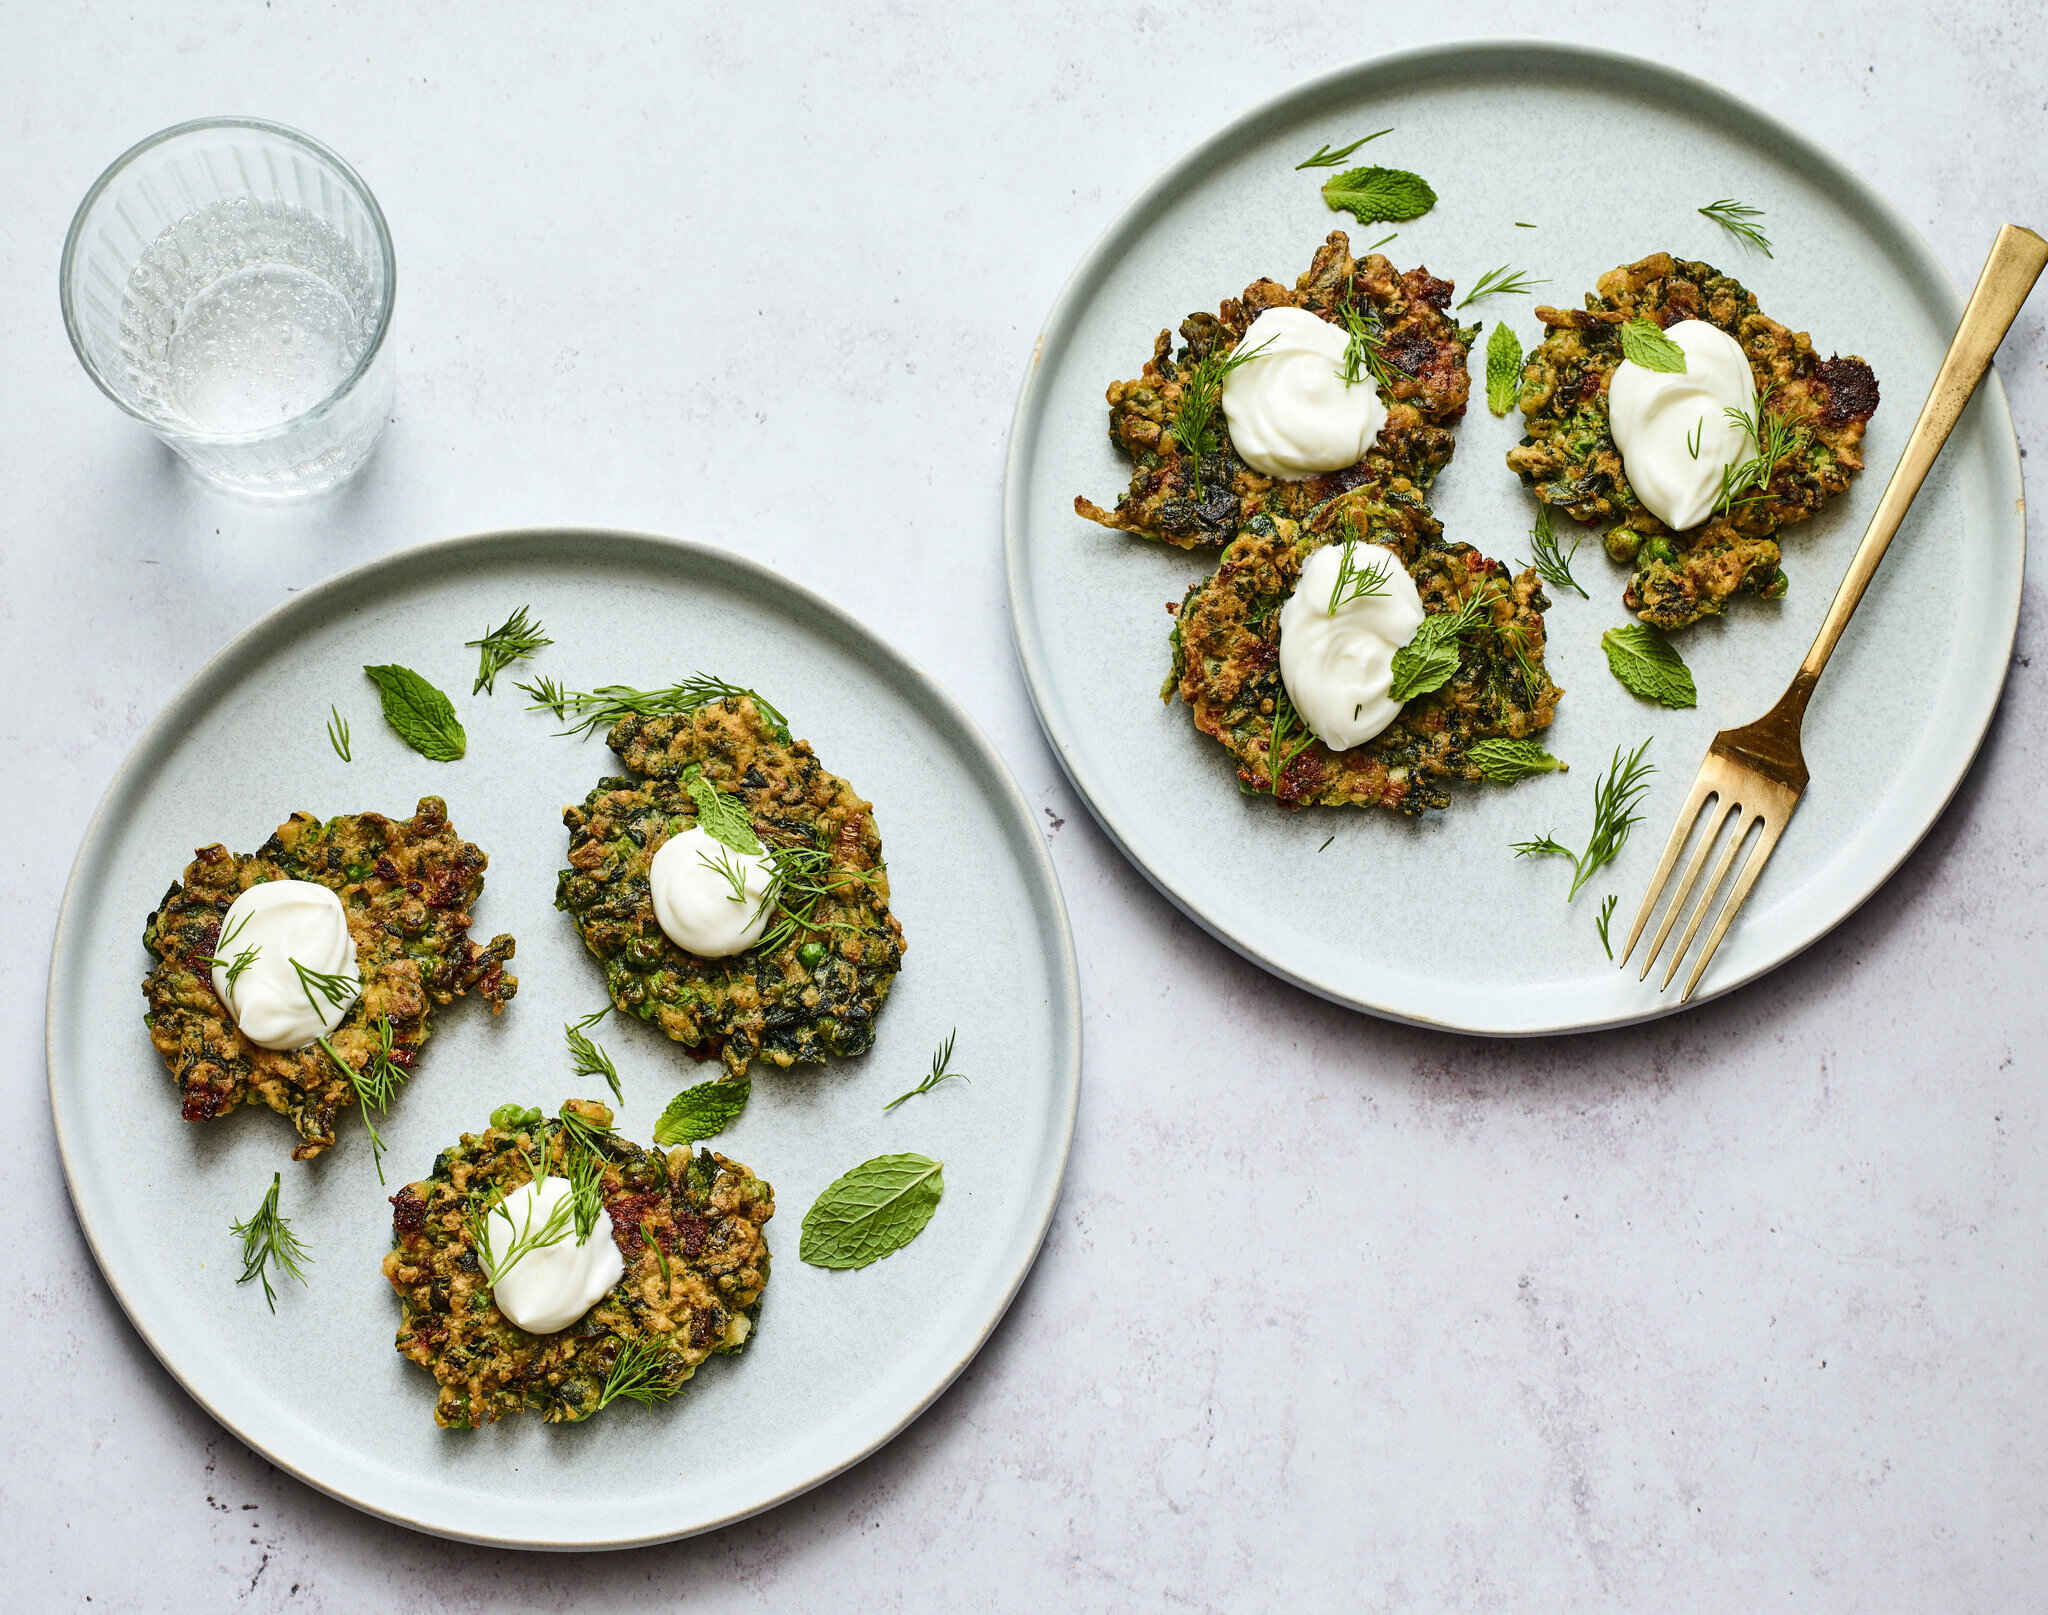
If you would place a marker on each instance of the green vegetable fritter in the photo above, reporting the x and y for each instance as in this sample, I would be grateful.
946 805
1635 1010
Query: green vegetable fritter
407 887
1570 460
1226 661
688 1228
811 993
1423 353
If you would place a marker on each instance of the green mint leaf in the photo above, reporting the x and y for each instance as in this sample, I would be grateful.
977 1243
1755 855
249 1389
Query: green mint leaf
1505 761
1503 369
704 1111
872 1211
419 714
1644 343
723 819
1379 195
1648 666
1429 661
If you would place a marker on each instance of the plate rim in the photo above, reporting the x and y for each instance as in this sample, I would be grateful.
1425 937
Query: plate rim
1063 967
1489 55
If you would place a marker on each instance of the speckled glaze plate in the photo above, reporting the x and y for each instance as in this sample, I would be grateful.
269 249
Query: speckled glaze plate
1609 157
841 1361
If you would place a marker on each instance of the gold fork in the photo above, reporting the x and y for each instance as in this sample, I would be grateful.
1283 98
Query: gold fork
1755 775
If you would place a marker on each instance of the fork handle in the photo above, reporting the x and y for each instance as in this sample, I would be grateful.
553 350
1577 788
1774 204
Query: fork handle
2017 258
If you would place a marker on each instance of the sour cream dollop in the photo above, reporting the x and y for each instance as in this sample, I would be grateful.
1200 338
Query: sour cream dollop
284 920
694 901
1290 413
550 1286
1654 417
1339 670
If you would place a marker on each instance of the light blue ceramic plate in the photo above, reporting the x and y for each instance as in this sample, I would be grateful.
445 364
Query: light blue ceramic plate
841 1361
1609 158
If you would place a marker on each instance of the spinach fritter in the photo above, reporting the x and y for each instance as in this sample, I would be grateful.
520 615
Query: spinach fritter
1226 661
1570 460
809 994
688 1228
407 887
1424 351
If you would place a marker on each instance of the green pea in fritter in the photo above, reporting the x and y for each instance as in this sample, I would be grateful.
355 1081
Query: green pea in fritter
1226 662
1191 504
811 988
406 886
1570 460
688 1228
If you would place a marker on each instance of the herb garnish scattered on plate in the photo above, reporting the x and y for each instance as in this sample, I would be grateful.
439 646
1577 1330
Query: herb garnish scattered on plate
872 1211
267 1235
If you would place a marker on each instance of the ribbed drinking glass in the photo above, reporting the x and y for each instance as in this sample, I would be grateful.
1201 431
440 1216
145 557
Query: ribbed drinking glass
229 283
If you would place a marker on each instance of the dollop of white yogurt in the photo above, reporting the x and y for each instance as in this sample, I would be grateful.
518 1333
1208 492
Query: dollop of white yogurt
1656 419
549 1286
1290 413
1339 670
694 899
286 920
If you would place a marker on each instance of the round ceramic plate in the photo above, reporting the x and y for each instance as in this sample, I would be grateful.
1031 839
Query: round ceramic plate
1608 158
841 1361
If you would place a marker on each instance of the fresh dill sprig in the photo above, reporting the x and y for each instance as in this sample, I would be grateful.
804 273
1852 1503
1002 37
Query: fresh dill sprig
1201 393
1519 225
512 640
1553 566
337 733
939 1073
1774 437
1614 815
547 696
803 875
592 1061
374 1085
586 1189
267 1235
585 1134
1355 582
1735 218
1326 158
602 707
1280 751
643 1372
660 1256
526 1237
339 991
241 961
1383 240
1606 914
727 867
1364 347
1696 437
1512 282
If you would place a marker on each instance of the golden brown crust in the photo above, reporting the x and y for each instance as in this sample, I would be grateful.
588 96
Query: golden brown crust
1172 498
406 887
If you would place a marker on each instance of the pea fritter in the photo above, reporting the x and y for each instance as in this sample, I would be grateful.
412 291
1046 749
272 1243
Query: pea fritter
1226 662
811 989
1570 460
406 886
688 1229
1192 505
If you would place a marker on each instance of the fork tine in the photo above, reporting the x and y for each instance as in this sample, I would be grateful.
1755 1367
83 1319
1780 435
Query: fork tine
1672 848
1721 810
1773 828
1692 926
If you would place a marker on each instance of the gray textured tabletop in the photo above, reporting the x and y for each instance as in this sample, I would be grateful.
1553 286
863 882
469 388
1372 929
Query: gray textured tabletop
1743 1307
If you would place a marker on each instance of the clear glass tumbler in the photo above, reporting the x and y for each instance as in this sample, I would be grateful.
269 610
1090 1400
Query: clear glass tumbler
229 282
